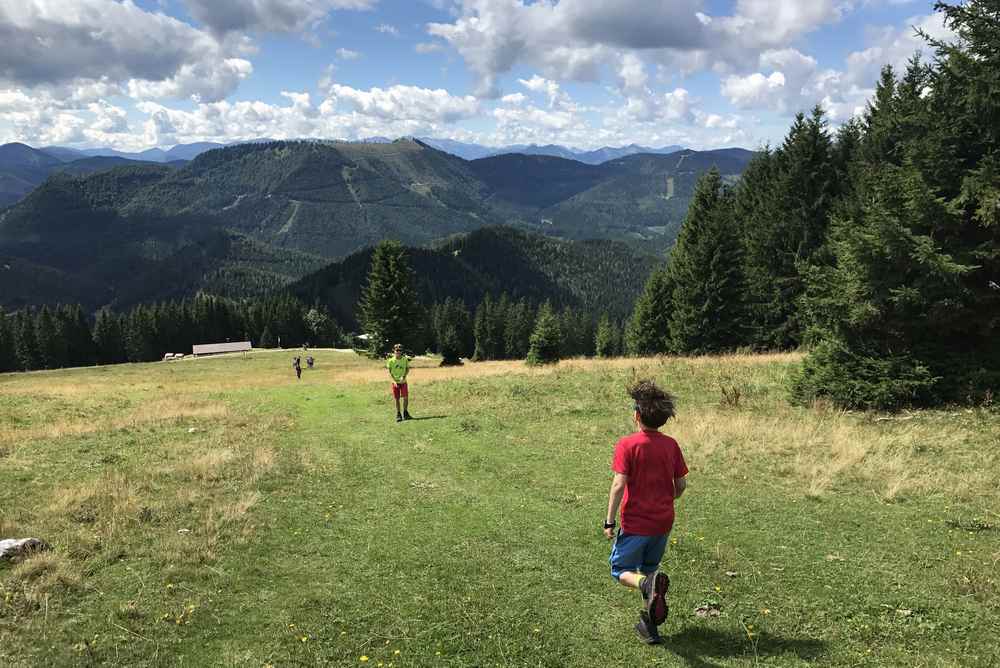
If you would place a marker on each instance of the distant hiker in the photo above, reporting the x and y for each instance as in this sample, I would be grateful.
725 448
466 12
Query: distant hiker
310 361
649 472
399 365
297 365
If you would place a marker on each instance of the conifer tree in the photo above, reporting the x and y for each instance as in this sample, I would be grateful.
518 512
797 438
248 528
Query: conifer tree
546 339
109 345
648 331
908 311
517 332
486 345
8 359
607 338
267 338
389 310
79 343
25 343
452 331
779 245
707 275
50 339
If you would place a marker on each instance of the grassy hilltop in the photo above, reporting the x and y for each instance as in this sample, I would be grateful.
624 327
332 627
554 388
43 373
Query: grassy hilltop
216 512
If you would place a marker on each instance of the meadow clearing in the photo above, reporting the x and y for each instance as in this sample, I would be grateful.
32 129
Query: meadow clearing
216 512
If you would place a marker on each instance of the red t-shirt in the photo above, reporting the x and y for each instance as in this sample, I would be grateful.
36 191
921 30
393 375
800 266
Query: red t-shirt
651 461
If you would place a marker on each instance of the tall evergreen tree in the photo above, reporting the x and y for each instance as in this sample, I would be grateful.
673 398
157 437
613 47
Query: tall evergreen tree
607 339
546 339
484 331
707 275
452 329
648 330
517 332
25 343
109 345
782 244
389 309
909 310
76 330
51 340
8 358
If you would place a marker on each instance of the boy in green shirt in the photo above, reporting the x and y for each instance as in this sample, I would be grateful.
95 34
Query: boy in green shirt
399 365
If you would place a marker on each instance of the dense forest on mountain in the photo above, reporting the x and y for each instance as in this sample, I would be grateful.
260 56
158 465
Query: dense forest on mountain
266 214
23 168
595 276
877 248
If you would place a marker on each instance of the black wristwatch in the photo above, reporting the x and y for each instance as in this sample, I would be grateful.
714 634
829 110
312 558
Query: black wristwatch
610 525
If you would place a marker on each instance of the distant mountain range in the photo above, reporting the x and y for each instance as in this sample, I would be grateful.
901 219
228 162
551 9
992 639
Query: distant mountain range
249 218
595 157
23 168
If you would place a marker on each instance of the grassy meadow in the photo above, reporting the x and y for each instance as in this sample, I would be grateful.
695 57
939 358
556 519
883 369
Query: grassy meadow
216 512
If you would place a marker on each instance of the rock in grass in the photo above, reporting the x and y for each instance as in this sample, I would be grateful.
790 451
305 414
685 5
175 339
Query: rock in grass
16 548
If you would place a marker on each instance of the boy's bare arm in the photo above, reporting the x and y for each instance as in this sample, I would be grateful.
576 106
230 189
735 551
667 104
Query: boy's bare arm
680 484
614 501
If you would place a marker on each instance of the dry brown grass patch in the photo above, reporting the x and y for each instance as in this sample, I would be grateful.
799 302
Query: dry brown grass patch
209 466
44 573
155 412
111 499
820 450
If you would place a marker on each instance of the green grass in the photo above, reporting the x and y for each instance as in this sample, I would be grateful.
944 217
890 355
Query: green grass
319 531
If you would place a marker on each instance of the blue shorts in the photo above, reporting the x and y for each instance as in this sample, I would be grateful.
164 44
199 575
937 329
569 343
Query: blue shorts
631 553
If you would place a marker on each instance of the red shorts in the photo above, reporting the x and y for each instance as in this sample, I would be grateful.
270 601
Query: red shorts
400 391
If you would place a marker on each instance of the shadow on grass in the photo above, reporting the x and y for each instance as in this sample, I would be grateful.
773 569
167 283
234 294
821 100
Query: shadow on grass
697 646
427 417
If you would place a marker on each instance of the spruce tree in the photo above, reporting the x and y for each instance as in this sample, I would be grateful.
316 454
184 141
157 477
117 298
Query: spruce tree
451 329
51 340
606 339
25 343
706 272
449 341
79 342
389 310
109 346
546 339
780 244
8 358
648 330
486 345
517 332
267 338
909 310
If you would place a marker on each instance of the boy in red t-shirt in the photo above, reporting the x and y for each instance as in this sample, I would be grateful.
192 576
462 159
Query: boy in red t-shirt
649 473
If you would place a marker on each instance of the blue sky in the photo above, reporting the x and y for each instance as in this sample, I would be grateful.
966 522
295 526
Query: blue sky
583 73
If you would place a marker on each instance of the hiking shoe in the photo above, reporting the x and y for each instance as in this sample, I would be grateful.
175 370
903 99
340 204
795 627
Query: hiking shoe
407 416
399 418
654 593
646 631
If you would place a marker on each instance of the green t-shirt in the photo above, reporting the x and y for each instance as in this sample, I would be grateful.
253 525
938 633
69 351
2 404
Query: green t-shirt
398 367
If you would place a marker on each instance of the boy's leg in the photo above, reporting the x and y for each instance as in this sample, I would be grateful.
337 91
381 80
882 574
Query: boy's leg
406 401
395 395
626 561
654 587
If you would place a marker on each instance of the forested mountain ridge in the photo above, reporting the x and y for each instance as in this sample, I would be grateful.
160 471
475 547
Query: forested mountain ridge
23 168
596 276
300 203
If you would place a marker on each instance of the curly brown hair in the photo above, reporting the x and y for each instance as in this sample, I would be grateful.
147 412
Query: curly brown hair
655 406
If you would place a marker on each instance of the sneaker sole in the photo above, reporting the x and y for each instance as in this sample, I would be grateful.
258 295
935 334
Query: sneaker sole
658 609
